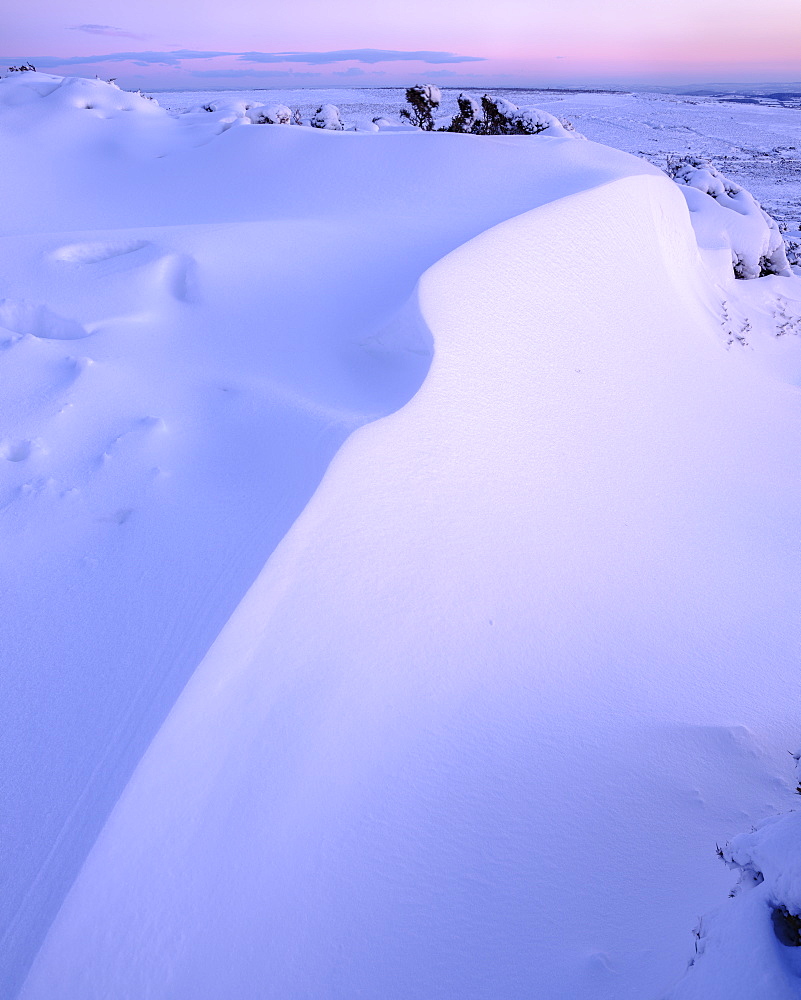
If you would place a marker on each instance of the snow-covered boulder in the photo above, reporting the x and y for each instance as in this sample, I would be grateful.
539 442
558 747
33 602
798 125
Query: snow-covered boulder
725 214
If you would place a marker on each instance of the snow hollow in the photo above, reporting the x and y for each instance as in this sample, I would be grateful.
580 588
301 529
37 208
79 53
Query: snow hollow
401 560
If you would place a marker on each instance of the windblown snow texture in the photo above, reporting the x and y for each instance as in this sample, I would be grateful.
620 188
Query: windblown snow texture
402 549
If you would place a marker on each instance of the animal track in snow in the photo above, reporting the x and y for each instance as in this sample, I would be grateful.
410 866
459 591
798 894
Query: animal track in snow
178 274
17 450
142 426
19 316
92 252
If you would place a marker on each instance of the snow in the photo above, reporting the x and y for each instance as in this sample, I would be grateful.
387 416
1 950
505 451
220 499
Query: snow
327 116
747 948
756 245
401 573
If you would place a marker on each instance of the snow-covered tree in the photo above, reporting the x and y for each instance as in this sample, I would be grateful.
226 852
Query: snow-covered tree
757 247
424 100
327 116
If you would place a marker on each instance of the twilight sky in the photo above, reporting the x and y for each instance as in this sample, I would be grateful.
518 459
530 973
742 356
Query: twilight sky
211 44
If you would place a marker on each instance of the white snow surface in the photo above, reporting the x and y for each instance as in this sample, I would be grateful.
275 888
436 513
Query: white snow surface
330 674
739 954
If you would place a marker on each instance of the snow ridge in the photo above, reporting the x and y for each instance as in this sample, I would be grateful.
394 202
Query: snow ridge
477 628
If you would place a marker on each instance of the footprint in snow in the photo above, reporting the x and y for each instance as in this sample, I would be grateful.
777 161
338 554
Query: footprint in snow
176 270
21 317
17 450
92 253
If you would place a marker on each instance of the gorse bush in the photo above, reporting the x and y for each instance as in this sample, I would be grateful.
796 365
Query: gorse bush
468 117
757 247
424 99
492 116
327 116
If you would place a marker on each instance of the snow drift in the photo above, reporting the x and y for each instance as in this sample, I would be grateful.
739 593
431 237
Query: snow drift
522 658
750 946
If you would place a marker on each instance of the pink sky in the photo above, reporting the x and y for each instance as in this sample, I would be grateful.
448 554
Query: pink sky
506 42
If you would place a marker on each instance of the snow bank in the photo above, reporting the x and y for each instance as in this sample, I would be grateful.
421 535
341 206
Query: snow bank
522 659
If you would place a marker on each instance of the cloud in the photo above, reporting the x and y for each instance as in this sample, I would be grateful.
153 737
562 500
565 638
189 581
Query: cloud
253 74
140 58
105 29
357 55
177 56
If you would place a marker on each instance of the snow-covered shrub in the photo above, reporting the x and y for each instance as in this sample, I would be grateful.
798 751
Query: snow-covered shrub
424 100
757 247
274 114
469 114
501 117
327 116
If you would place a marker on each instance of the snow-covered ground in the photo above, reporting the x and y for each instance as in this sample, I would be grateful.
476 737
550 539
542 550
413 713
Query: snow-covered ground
757 144
401 557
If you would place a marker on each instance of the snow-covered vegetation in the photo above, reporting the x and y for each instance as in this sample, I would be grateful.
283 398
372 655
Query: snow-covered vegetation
400 557
327 116
757 247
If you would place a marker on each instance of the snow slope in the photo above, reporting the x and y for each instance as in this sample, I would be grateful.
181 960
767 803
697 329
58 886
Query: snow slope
194 318
528 652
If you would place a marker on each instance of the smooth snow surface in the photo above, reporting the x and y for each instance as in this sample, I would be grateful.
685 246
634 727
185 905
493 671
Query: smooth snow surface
529 649
193 320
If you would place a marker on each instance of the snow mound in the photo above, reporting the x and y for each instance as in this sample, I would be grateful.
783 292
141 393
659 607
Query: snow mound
726 214
195 316
62 94
487 681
